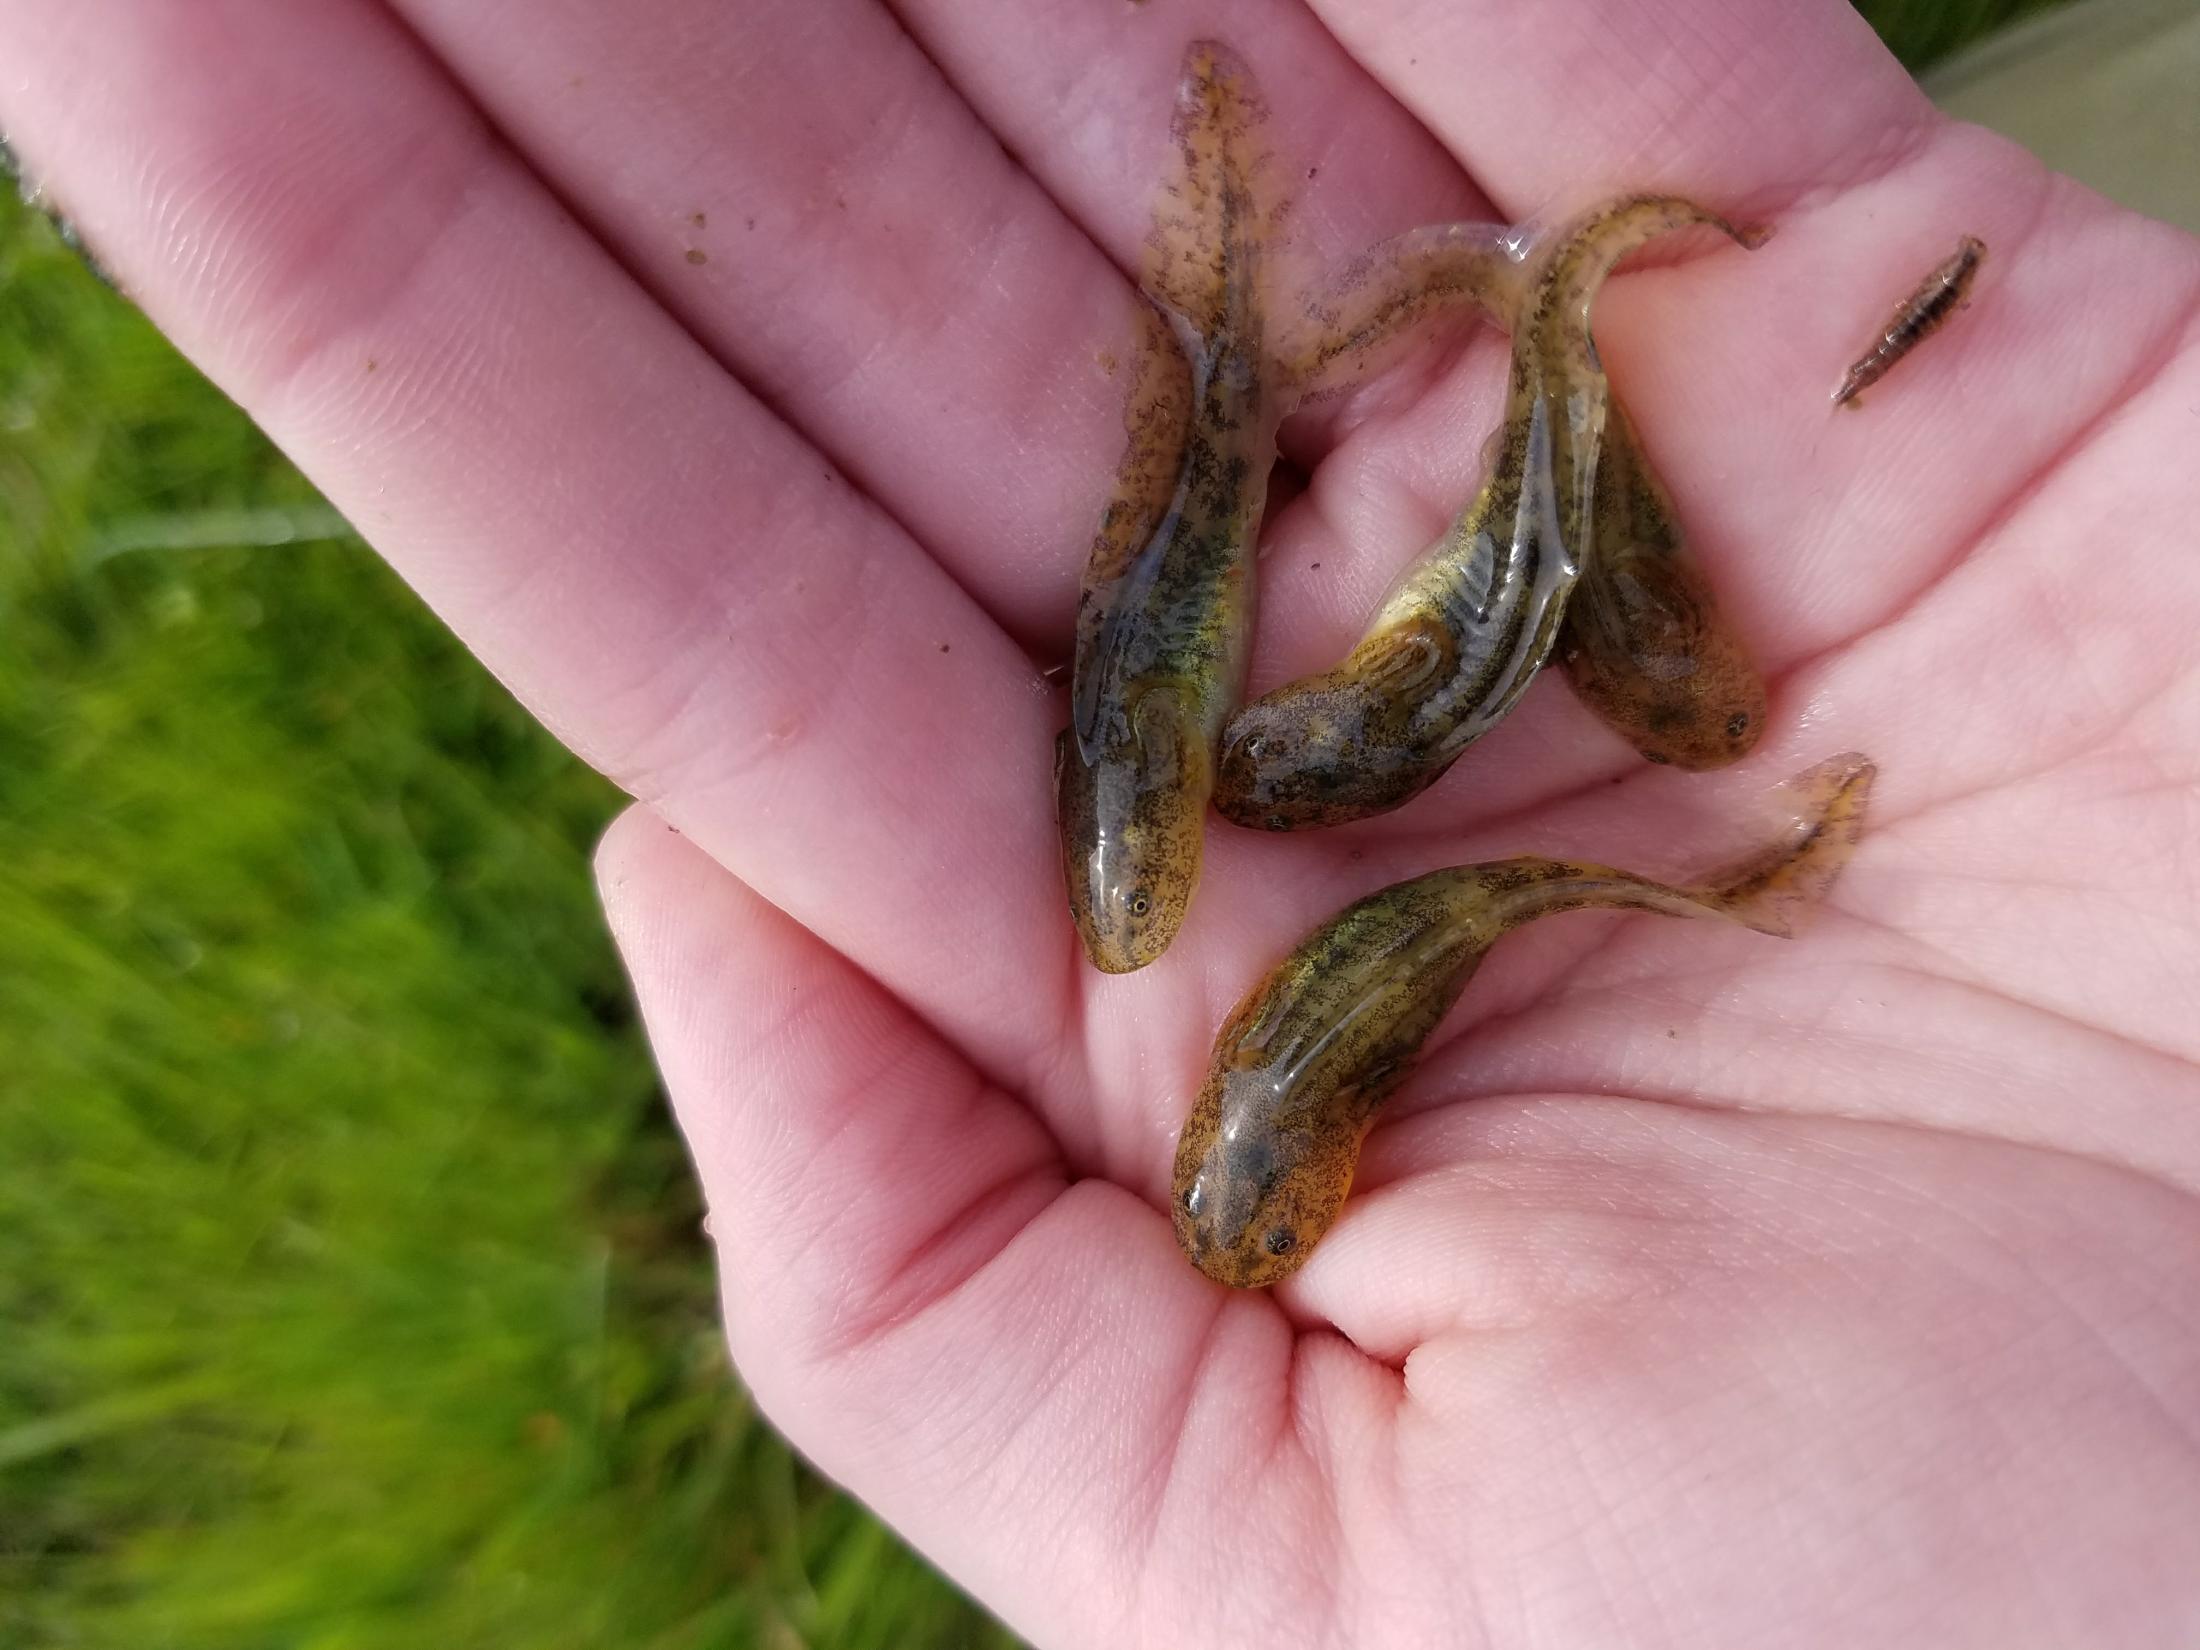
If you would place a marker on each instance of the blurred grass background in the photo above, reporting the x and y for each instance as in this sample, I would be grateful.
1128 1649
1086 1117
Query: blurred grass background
1922 32
351 1292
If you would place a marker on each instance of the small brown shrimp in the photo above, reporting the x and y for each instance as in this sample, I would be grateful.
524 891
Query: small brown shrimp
1915 319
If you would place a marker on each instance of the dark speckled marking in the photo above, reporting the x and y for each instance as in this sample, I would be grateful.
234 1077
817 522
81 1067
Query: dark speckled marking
1644 643
1162 620
1915 319
1307 1056
1457 643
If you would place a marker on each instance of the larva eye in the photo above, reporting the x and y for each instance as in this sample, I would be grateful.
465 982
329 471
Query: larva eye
1281 1241
1140 903
1737 724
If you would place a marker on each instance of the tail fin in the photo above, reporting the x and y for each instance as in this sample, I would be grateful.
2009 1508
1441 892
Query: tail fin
1370 311
1218 210
1773 889
1582 253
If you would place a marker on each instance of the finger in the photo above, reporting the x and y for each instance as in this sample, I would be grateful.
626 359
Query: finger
1753 104
681 589
1084 101
932 1314
814 202
858 1169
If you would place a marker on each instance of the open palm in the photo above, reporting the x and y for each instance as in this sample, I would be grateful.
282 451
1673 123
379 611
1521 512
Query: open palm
738 383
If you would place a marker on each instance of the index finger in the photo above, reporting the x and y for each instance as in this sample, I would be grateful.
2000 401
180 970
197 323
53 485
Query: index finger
680 587
1753 105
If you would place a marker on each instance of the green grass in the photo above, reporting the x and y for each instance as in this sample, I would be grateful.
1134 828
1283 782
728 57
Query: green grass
349 1274
1922 32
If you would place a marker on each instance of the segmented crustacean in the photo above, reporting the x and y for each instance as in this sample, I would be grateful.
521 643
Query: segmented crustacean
1462 634
1163 620
1915 319
1267 1156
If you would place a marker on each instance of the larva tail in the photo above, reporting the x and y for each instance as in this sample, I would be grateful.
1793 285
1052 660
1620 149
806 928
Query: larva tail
1372 310
1773 889
1576 258
1218 212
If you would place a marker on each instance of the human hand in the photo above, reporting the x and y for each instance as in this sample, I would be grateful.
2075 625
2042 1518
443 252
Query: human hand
1701 1290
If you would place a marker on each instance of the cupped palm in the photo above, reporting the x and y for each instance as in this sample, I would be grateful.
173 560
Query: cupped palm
741 389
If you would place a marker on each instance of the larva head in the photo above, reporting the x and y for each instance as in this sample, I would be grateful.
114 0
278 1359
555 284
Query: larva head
1705 726
1318 752
1132 826
1250 1200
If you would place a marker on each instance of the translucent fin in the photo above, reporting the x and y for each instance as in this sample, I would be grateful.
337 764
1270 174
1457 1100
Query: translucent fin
1769 891
1580 255
1211 224
1772 889
1217 209
1156 413
1156 422
1366 315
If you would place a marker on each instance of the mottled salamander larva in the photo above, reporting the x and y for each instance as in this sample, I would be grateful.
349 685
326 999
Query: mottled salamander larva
1166 608
1643 641
1456 643
1299 1068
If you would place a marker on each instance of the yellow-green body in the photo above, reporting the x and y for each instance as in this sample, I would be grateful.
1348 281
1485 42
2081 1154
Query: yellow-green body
1643 641
1166 611
1462 634
1266 1157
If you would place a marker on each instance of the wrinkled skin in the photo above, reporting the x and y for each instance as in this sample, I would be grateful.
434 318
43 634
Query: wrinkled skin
1267 1155
1702 1290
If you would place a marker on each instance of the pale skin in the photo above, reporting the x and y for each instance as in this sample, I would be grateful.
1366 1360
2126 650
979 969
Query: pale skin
1699 1291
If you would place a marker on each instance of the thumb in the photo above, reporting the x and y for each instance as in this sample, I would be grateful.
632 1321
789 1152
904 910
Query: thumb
913 1291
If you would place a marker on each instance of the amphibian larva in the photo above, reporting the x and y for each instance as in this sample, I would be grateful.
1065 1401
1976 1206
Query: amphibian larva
1167 601
1456 643
1299 1068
